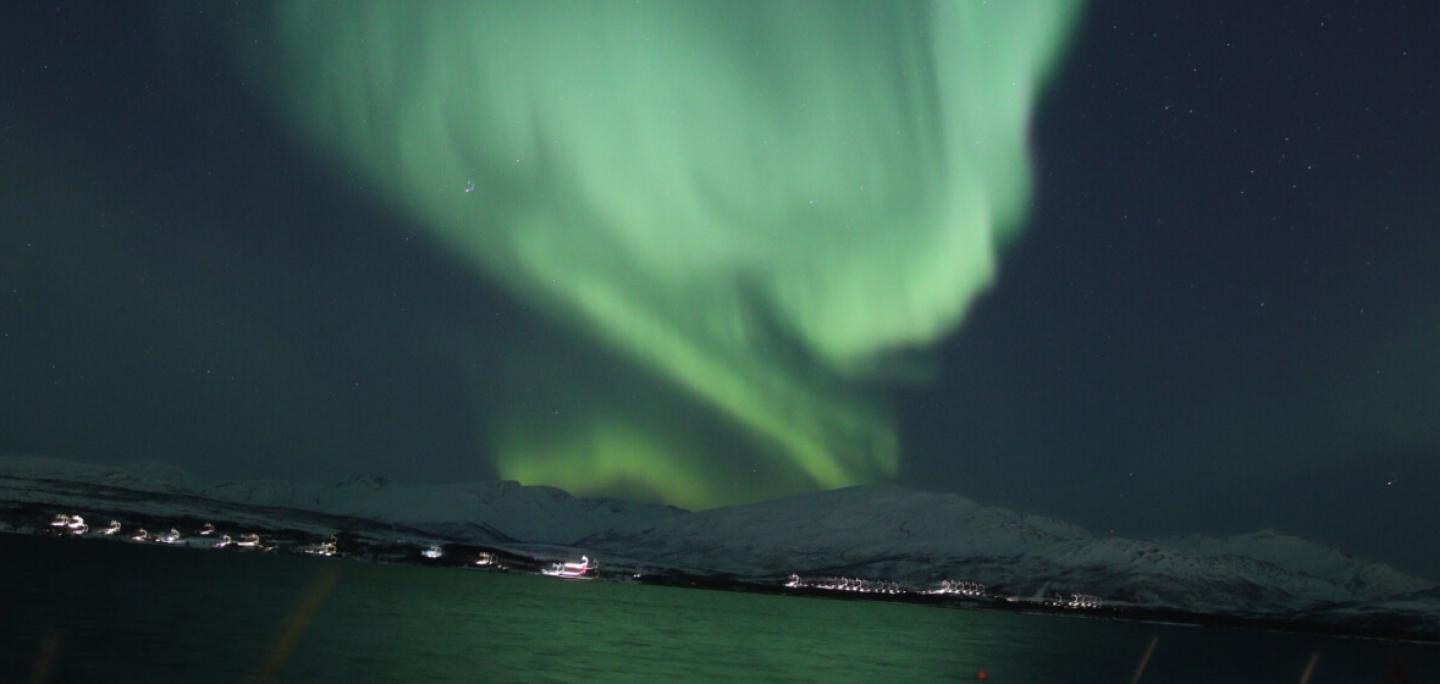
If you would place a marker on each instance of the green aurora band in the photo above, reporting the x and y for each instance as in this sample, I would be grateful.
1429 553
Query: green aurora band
761 204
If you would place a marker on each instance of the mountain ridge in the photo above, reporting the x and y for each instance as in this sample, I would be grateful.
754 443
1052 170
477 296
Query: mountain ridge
880 531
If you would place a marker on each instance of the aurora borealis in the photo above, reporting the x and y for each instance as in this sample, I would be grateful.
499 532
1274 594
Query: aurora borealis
758 202
1152 267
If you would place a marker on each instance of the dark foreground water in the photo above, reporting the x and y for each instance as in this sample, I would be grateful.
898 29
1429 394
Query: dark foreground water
93 611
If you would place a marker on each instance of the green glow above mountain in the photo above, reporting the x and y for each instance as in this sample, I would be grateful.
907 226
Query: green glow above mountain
758 204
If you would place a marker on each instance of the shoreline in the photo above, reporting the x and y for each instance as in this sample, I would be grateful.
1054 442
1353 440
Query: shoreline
367 545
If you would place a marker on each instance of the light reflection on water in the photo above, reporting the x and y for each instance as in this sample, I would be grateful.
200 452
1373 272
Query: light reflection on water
117 612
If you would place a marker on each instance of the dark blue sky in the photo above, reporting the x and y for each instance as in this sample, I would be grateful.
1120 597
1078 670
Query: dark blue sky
1222 315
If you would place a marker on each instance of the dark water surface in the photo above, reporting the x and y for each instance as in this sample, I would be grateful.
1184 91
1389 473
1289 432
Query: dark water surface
92 611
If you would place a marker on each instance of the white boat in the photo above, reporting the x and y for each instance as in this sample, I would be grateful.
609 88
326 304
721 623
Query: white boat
584 570
207 530
326 548
225 541
141 535
76 526
250 541
171 537
433 552
113 529
485 559
69 524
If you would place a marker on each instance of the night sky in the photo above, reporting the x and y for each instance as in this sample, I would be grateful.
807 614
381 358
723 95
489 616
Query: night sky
1160 268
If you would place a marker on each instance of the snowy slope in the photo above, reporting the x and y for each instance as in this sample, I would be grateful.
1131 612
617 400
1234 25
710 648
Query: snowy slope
139 476
839 527
918 537
882 532
23 497
1416 613
537 514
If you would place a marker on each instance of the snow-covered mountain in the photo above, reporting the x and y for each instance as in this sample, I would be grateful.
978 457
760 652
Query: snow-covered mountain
145 476
532 514
919 537
1417 613
881 532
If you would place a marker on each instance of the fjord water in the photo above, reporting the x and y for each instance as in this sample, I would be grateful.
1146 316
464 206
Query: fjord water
92 611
